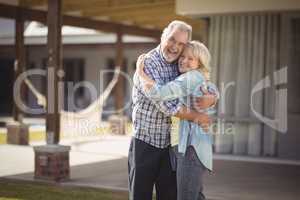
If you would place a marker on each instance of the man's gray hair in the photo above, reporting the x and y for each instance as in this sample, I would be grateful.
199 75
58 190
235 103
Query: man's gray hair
180 25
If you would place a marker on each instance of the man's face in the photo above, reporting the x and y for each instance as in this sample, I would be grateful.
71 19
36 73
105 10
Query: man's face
173 45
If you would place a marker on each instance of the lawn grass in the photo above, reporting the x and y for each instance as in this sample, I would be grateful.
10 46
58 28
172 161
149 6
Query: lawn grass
2 138
41 135
33 136
19 190
37 136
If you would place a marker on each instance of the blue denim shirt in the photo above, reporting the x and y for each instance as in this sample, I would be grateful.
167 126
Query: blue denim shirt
183 87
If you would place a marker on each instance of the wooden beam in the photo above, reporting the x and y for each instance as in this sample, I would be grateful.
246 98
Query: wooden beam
112 27
78 5
37 3
204 32
54 45
161 22
70 6
19 61
119 92
111 5
138 9
32 3
143 18
9 11
147 14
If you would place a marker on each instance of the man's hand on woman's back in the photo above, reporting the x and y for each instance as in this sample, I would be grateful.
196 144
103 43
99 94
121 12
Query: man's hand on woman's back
202 119
207 100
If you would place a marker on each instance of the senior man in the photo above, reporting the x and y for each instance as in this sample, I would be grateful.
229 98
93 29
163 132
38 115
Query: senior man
149 158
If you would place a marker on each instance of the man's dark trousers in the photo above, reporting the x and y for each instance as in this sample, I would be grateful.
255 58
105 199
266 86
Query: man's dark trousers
148 165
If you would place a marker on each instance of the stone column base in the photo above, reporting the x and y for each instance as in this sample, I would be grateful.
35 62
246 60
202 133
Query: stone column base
52 162
118 124
17 133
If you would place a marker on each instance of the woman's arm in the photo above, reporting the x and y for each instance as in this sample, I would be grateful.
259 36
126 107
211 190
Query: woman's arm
182 86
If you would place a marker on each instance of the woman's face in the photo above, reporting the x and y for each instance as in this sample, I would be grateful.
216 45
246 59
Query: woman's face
187 61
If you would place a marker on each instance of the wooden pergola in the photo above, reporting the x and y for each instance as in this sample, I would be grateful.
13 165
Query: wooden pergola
141 17
131 17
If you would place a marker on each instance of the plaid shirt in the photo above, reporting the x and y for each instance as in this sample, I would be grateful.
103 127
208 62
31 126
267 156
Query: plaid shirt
152 120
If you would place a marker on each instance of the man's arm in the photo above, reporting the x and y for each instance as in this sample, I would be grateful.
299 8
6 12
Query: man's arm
201 119
204 102
182 86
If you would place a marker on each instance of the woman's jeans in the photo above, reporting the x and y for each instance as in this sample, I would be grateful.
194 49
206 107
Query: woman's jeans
190 173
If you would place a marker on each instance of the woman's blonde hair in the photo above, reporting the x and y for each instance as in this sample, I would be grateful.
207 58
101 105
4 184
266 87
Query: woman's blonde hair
201 52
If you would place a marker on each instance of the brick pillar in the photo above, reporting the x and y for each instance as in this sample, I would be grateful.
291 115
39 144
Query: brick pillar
52 163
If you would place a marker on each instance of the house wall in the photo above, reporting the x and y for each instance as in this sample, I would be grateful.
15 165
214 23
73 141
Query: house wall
212 7
95 58
95 61
246 49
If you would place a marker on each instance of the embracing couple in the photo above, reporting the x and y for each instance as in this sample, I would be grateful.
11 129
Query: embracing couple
172 80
